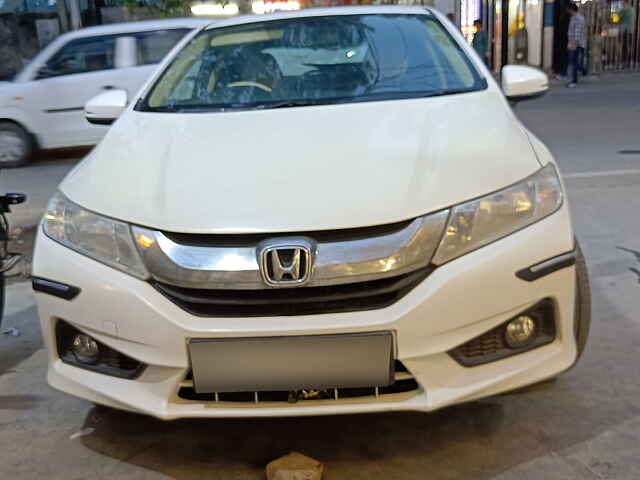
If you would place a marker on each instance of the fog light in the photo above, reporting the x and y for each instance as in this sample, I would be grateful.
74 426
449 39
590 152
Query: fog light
85 349
520 332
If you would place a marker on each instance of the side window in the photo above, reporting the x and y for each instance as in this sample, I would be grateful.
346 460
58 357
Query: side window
80 56
153 46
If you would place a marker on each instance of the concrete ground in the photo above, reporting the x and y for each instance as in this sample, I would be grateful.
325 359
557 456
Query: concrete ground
584 425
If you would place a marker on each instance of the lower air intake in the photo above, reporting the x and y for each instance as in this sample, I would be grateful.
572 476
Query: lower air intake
404 383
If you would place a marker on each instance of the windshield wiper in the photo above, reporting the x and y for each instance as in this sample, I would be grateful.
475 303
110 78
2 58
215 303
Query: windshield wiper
363 98
450 91
298 103
223 107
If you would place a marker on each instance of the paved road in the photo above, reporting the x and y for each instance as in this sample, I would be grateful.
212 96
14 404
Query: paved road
39 182
585 425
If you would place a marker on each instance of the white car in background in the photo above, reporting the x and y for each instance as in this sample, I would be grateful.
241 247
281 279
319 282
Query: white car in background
42 108
323 212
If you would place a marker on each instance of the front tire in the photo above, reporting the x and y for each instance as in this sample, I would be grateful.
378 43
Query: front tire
16 146
582 313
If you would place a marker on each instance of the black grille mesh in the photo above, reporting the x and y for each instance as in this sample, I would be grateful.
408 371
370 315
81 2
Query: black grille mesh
399 386
293 301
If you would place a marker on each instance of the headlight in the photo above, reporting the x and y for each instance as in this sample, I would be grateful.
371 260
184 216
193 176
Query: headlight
479 222
103 239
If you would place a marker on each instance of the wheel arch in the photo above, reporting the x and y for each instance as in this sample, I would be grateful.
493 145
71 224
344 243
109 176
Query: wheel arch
35 141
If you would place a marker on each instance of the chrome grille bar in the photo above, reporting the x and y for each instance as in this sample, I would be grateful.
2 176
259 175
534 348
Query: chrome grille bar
335 262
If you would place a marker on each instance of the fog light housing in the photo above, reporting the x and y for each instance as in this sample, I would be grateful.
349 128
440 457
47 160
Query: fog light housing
85 349
532 328
520 332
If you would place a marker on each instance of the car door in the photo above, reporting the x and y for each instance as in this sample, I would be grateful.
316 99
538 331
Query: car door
85 67
81 69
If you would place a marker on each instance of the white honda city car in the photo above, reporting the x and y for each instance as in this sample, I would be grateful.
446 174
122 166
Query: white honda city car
321 212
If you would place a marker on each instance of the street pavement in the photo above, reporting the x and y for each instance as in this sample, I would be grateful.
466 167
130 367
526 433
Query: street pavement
584 425
39 181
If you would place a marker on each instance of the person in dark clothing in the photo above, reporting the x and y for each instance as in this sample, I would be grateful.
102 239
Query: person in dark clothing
480 41
576 44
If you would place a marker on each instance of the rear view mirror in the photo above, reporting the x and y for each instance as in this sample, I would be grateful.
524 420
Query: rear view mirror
523 83
105 108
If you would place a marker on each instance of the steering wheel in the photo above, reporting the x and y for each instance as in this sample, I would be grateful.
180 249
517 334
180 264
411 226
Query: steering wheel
259 85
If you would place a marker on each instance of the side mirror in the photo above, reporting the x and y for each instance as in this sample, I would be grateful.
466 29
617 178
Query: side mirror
105 108
523 83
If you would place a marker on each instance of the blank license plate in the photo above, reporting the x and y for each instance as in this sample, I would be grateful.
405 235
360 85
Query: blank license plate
292 363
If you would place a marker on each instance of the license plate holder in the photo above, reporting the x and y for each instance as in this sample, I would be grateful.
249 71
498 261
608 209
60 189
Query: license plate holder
288 363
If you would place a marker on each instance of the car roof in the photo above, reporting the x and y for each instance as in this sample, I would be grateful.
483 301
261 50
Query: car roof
143 26
324 12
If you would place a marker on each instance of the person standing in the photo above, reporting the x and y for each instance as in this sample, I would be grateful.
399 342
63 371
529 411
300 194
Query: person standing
479 42
627 16
576 44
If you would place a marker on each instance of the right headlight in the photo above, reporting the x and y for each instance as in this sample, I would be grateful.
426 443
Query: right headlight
104 239
479 222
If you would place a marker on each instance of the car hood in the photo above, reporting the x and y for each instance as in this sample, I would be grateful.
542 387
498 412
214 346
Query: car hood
304 168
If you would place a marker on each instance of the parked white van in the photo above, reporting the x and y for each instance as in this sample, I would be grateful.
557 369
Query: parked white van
42 108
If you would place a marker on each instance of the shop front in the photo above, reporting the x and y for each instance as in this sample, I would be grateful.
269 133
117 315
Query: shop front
515 28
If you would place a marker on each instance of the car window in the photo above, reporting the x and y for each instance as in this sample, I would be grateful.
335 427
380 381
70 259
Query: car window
313 60
153 46
186 87
80 56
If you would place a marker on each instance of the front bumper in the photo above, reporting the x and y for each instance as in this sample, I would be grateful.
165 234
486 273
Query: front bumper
457 302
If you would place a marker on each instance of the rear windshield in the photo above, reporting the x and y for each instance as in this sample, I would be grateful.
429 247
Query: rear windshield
314 60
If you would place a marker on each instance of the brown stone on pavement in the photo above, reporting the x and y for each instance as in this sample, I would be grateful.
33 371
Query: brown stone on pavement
294 466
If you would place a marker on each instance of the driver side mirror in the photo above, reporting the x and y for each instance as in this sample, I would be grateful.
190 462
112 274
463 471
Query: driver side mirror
523 83
105 108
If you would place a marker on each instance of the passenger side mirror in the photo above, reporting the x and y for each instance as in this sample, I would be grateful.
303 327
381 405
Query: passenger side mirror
105 108
523 83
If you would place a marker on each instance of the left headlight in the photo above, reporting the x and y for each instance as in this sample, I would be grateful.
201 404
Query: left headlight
482 221
103 239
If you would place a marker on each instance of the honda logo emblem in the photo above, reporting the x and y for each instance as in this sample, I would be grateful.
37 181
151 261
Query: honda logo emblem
286 262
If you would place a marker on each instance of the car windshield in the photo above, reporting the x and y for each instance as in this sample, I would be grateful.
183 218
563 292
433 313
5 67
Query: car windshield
314 61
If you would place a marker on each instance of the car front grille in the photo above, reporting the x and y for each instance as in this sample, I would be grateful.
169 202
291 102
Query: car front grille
404 382
350 297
